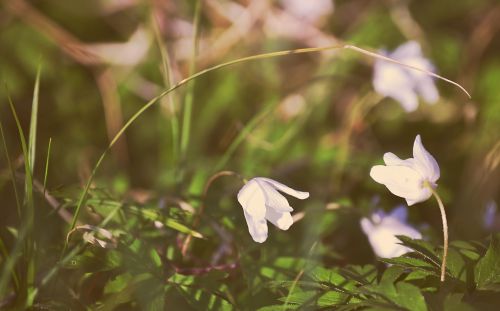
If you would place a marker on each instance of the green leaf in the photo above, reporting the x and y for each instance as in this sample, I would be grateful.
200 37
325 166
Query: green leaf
331 298
421 247
202 299
401 294
96 260
118 284
412 263
301 297
487 271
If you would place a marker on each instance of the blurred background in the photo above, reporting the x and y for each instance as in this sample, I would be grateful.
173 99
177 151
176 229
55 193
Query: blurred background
312 121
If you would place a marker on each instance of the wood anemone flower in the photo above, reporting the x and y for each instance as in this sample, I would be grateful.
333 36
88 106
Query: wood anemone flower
262 202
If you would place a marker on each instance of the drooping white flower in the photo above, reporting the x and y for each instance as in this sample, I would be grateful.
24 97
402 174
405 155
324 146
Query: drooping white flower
381 230
404 84
410 178
261 201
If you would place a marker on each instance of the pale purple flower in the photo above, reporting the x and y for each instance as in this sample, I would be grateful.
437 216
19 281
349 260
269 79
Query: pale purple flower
404 84
262 202
490 215
382 229
410 179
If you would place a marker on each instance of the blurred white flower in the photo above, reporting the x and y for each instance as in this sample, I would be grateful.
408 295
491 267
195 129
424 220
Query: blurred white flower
410 178
261 201
128 53
311 11
404 84
382 228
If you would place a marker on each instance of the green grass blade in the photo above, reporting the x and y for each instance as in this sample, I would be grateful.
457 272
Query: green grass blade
6 256
12 172
26 227
46 173
188 103
33 123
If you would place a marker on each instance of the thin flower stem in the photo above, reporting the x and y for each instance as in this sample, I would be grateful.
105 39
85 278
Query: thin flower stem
197 220
445 231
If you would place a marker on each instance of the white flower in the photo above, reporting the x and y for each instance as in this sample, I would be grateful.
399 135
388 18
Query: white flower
404 84
410 178
261 201
310 11
382 229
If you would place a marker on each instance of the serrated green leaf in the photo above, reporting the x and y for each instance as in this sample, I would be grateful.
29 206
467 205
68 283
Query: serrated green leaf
487 271
421 247
411 262
300 297
325 275
331 298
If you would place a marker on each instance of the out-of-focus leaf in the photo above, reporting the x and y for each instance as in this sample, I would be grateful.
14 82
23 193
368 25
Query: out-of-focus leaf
118 283
202 299
96 260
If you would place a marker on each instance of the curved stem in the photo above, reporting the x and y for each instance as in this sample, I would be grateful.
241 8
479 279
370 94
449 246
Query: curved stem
197 220
445 232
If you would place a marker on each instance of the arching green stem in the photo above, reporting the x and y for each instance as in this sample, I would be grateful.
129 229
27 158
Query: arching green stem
445 231
83 196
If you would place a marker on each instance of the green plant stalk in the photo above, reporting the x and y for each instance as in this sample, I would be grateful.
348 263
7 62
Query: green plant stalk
24 237
83 196
188 103
445 230
6 256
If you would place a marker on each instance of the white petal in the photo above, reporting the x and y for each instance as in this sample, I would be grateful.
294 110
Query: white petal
402 181
428 165
283 188
385 244
367 226
392 159
279 219
273 199
257 227
427 89
252 199
407 98
407 50
383 237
